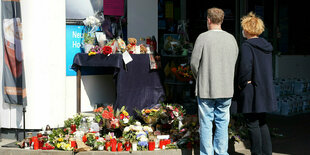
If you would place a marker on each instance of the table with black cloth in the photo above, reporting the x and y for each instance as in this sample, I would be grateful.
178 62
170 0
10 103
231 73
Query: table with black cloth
137 86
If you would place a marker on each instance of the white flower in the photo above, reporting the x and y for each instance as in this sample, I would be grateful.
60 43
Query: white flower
175 113
126 120
138 123
131 127
92 21
141 133
143 138
138 128
148 129
100 139
127 129
170 107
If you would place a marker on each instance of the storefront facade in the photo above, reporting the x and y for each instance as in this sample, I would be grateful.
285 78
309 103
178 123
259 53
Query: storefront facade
52 93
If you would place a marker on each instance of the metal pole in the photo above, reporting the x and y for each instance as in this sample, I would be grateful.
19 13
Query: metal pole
78 90
24 121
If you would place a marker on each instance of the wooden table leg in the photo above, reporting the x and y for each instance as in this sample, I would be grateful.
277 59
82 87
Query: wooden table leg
78 91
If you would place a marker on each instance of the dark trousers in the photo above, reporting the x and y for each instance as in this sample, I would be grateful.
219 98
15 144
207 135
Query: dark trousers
259 134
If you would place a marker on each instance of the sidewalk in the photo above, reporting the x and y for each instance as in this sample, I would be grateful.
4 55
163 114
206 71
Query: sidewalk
296 135
295 139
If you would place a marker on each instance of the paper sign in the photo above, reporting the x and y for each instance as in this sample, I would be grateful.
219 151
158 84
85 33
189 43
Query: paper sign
113 7
137 51
126 57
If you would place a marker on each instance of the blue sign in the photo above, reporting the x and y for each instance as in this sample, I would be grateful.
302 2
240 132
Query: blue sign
74 40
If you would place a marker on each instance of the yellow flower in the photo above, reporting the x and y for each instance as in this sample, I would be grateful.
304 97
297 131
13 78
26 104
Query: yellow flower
154 110
58 145
147 111
60 139
91 53
125 113
67 146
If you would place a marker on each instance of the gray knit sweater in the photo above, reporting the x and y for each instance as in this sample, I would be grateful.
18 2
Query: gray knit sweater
213 64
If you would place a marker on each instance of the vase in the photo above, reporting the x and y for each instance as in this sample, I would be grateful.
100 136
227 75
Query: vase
87 47
134 146
100 147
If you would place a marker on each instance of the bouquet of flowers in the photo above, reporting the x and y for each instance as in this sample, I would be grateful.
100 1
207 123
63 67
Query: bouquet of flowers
60 139
138 133
123 116
91 25
106 116
89 139
150 116
73 123
95 50
182 73
174 114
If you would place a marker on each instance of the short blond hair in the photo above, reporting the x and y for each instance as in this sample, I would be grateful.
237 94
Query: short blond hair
216 15
252 24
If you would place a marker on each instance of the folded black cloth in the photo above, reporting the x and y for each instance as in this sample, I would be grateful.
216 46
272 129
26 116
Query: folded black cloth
137 85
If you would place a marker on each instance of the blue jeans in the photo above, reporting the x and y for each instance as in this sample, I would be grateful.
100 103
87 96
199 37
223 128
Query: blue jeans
216 110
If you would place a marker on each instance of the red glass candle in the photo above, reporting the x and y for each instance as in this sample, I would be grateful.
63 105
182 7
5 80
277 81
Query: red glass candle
73 144
151 145
168 141
35 142
119 146
127 146
161 144
113 147
73 127
107 145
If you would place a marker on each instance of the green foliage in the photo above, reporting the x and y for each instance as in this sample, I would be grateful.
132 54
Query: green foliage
75 120
89 38
91 139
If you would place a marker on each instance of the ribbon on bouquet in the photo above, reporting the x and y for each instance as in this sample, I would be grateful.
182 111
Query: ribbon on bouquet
153 64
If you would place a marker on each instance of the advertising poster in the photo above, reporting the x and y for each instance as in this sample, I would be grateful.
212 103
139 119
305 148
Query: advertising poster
74 40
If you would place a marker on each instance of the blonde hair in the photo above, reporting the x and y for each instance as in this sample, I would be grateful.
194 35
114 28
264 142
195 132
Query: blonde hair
252 24
216 15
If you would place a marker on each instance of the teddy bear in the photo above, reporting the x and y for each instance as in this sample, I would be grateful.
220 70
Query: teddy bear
143 49
131 47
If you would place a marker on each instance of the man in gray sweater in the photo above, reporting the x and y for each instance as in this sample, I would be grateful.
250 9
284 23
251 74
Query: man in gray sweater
213 64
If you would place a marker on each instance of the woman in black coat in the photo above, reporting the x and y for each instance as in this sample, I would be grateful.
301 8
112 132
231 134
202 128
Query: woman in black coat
255 83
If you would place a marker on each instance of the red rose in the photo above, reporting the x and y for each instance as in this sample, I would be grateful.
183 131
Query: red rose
107 50
122 116
110 108
84 138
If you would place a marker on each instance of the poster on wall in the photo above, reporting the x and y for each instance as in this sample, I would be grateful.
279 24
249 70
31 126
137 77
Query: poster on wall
13 88
74 40
113 7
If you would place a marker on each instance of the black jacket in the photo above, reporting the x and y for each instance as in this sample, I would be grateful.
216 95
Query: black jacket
255 65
